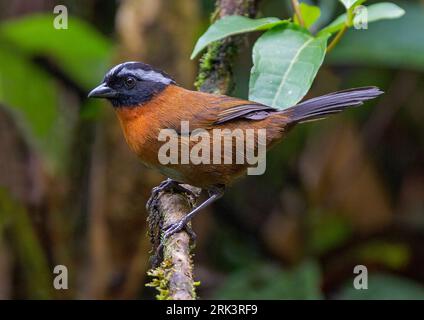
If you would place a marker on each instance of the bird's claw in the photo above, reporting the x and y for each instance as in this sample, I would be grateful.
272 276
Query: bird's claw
168 185
170 231
177 227
163 186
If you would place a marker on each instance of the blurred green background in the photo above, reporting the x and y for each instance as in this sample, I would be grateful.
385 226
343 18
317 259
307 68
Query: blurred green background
336 194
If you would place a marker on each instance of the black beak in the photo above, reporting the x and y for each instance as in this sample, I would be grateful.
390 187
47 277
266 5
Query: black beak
103 91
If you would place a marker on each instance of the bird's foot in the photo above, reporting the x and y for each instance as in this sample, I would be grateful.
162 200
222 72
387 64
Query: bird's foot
163 186
167 233
167 185
177 227
155 220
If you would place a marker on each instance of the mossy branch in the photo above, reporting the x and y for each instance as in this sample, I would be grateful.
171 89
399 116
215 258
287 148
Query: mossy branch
173 276
216 65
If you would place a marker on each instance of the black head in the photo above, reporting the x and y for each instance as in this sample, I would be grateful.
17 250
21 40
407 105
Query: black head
130 84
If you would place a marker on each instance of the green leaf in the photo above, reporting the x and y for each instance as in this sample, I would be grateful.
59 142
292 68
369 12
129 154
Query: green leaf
34 97
327 231
386 44
375 12
334 26
380 11
347 3
350 3
285 63
391 255
310 14
232 25
16 221
343 19
33 102
270 282
384 287
80 50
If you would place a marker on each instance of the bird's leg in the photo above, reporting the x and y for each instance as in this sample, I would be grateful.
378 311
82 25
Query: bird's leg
154 218
215 193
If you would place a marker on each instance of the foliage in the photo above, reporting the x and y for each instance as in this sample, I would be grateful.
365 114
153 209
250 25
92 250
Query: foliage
287 57
384 287
310 14
386 44
375 12
285 63
14 221
80 52
264 281
232 25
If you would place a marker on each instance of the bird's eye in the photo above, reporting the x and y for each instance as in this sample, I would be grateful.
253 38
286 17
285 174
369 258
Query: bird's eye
130 82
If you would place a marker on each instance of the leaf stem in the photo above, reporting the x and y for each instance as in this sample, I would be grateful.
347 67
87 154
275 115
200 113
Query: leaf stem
296 9
337 38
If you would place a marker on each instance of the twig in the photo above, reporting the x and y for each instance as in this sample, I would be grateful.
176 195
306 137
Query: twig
298 13
348 23
337 38
173 278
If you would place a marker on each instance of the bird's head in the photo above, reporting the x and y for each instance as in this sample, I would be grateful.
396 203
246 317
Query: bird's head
130 84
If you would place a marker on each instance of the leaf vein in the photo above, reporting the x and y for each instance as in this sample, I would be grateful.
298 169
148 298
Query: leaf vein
292 63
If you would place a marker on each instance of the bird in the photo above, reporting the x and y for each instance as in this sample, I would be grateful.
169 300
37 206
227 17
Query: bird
147 100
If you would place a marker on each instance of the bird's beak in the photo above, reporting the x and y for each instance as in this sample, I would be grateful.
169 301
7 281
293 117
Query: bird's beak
103 91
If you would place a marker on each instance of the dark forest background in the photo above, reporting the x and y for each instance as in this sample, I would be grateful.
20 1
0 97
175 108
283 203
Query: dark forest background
336 194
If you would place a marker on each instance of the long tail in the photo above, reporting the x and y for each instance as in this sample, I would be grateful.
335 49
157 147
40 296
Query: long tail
322 106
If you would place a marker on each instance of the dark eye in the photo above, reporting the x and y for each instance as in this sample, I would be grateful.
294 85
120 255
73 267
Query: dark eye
130 82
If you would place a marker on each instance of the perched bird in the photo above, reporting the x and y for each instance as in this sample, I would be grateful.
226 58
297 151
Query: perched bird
147 100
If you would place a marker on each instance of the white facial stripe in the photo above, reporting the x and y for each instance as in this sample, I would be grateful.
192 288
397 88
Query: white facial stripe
147 75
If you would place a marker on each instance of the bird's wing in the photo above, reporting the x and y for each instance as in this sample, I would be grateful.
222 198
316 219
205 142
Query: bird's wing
244 110
204 110
219 109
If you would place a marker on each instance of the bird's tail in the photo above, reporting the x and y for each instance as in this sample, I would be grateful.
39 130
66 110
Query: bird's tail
320 107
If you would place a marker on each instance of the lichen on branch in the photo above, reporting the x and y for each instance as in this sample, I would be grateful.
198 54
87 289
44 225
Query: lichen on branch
216 65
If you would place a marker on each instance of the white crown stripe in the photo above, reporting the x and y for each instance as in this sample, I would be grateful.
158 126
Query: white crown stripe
146 75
